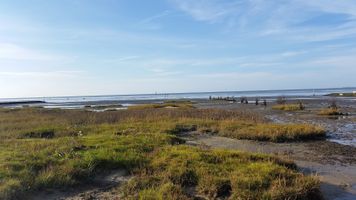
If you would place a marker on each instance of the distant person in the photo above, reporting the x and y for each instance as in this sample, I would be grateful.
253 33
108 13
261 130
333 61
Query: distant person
257 101
301 105
264 103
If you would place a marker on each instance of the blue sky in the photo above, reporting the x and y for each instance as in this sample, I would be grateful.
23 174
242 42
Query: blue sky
94 47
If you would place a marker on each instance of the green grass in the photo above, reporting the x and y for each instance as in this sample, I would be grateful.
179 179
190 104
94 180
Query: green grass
83 144
31 164
184 172
273 132
288 107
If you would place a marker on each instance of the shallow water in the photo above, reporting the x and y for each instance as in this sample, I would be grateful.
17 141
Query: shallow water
309 93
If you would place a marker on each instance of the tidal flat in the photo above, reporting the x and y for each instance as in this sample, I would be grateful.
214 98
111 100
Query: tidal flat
174 150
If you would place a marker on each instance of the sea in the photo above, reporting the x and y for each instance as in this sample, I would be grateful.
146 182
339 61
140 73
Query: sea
75 101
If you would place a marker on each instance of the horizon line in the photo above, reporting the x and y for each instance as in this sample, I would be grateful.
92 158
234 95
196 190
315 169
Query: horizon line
170 93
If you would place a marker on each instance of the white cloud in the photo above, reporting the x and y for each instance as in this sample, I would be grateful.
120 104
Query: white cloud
11 51
37 74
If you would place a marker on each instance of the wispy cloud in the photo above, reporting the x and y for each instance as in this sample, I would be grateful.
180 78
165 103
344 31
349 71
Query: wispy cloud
155 17
11 51
47 74
207 10
269 18
151 22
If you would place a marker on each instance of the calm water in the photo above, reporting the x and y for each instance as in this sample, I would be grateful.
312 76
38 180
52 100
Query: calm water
200 95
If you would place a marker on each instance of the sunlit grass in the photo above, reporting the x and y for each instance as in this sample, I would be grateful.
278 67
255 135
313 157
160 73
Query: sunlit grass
329 111
219 174
173 104
288 107
82 144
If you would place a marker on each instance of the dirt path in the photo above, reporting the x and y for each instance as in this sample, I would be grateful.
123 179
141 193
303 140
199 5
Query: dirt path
335 164
103 187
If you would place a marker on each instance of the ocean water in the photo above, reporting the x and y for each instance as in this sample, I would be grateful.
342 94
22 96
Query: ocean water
71 100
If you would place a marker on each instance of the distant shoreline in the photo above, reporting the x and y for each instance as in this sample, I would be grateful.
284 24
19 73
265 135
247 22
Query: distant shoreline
21 102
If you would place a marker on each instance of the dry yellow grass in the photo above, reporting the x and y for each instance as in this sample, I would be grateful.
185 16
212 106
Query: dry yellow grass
288 107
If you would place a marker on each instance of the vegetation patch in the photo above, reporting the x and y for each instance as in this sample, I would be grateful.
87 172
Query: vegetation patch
183 172
289 107
330 112
163 105
273 132
85 143
35 164
45 133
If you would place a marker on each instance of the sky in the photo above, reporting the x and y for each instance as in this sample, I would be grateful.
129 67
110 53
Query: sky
98 47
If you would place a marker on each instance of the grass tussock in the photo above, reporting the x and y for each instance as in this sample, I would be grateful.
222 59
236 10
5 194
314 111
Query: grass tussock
184 172
274 132
288 107
330 112
168 104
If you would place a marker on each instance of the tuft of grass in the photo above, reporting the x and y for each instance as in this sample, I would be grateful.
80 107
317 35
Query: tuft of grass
183 172
330 112
175 104
288 107
273 132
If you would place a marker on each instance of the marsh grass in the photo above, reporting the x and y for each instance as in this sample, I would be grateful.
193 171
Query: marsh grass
31 164
274 132
184 172
288 107
330 112
82 144
167 104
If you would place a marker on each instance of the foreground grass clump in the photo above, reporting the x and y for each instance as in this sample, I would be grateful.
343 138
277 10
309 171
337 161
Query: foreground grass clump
273 132
30 164
183 172
288 107
330 112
